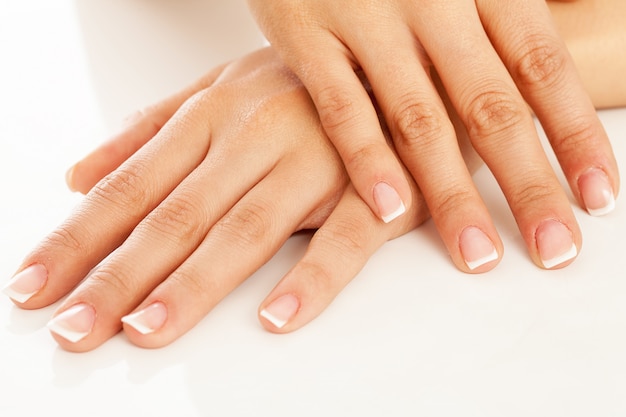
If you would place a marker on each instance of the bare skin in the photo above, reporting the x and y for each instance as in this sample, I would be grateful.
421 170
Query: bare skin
595 35
494 59
248 164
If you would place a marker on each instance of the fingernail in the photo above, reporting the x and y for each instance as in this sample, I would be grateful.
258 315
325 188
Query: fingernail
388 201
75 323
476 247
596 192
281 310
26 283
148 320
555 243
69 178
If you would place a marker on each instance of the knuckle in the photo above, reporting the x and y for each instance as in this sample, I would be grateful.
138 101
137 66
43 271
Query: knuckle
542 63
178 218
452 202
145 114
249 225
336 108
134 117
193 281
346 236
324 280
531 194
108 279
579 135
361 159
491 112
67 239
417 122
126 188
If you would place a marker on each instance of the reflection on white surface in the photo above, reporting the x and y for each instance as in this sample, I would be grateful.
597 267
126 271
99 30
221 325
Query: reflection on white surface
410 336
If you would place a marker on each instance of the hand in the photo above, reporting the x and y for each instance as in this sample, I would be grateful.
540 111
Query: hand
212 181
492 56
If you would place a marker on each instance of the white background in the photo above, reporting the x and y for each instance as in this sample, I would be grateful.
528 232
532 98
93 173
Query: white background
410 336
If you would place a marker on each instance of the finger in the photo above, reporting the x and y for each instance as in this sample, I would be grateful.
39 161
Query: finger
545 73
118 202
425 140
243 240
336 254
139 128
161 243
349 118
502 131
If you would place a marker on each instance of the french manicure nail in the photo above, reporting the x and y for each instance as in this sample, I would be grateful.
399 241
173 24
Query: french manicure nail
281 310
147 320
555 243
388 201
596 192
75 323
476 247
26 283
69 178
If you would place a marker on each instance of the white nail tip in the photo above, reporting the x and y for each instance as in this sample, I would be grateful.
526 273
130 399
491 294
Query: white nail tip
482 261
273 319
65 332
62 324
570 254
391 216
134 321
604 210
20 297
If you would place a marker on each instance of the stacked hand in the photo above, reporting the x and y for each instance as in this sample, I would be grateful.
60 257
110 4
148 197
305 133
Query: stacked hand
493 57
212 182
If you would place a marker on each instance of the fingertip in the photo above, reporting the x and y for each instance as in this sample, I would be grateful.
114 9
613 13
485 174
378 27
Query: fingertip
73 328
69 179
26 283
388 202
596 191
75 180
478 250
556 244
147 320
276 314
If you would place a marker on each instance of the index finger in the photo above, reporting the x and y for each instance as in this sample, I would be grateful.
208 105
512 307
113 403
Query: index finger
117 203
139 128
351 123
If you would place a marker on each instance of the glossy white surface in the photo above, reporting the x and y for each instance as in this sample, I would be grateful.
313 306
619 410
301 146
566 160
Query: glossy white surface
410 336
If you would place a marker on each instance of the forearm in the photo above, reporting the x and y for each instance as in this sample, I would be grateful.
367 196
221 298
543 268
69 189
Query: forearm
596 37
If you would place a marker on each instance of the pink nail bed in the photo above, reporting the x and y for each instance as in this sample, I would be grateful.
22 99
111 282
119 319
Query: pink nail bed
476 247
75 323
388 201
149 319
25 284
555 243
281 310
596 192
